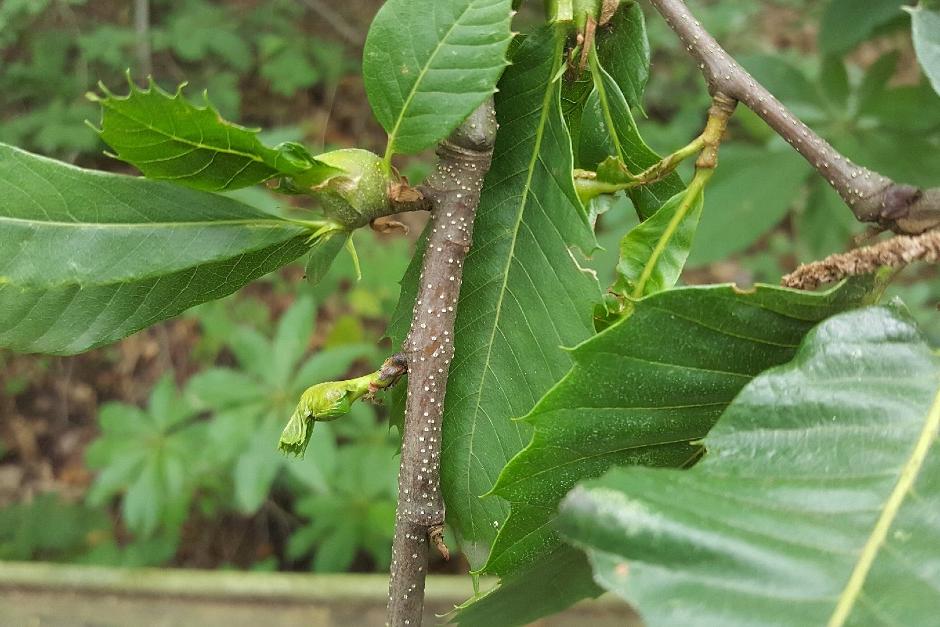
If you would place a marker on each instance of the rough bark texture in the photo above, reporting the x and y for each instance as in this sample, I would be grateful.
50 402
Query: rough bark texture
871 196
895 253
453 192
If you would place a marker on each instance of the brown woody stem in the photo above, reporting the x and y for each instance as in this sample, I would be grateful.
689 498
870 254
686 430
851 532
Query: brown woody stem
452 194
871 196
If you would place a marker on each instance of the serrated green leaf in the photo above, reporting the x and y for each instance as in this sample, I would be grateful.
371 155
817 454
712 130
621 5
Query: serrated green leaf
423 82
631 399
925 25
815 504
523 295
654 252
608 129
166 137
87 258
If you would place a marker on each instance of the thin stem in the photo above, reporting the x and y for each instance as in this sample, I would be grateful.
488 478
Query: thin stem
452 193
709 141
871 196
334 19
142 36
589 187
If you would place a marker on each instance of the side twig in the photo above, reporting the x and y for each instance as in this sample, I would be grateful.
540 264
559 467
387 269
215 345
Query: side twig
894 253
453 192
871 196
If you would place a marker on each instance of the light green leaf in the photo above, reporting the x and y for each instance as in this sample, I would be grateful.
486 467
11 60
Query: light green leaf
523 295
424 81
223 388
87 258
824 226
846 23
292 337
166 137
153 457
337 550
925 23
815 504
653 253
258 466
632 399
751 192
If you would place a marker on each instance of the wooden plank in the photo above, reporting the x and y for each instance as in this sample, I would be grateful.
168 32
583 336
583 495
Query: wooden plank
59 595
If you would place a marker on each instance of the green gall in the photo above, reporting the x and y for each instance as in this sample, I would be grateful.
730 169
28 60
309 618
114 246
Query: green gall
320 402
359 193
330 400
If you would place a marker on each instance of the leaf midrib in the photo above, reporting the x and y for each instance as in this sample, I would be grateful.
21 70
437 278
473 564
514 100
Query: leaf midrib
392 136
265 222
909 473
151 274
543 120
197 144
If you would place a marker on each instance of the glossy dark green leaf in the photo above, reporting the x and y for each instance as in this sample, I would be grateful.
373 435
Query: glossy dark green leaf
925 24
427 64
624 51
523 295
816 503
608 129
87 258
166 137
632 398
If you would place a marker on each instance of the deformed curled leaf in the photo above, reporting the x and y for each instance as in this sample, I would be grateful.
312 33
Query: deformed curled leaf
654 252
328 401
321 402
166 137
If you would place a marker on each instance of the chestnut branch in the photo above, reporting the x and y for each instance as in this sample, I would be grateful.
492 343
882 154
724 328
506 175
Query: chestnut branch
871 196
451 194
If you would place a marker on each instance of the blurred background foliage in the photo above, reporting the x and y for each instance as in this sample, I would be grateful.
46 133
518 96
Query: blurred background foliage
160 450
